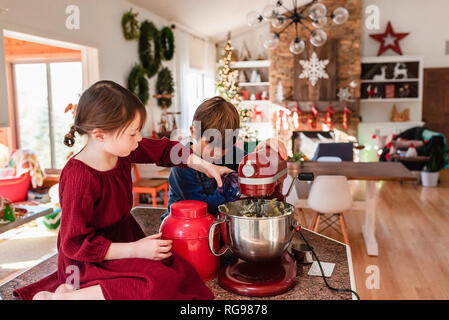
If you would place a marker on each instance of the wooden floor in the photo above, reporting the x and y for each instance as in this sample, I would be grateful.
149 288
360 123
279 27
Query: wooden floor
412 230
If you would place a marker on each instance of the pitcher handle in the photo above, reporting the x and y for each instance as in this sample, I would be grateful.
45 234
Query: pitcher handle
211 238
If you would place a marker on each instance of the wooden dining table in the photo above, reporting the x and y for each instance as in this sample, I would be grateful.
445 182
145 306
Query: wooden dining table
371 172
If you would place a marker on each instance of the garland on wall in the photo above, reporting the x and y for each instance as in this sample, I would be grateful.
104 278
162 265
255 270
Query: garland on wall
286 118
154 46
164 86
138 83
149 48
130 25
167 43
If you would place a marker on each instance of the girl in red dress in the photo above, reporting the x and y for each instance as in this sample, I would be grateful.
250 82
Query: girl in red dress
102 251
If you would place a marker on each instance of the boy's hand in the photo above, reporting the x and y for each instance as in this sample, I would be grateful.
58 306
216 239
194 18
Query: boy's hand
209 169
152 247
274 144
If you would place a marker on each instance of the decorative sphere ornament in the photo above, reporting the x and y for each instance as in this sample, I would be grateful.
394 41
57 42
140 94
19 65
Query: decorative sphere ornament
321 22
278 21
271 41
297 46
317 11
269 12
318 37
253 18
340 15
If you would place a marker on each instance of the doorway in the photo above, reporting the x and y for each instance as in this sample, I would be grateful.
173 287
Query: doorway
436 99
42 91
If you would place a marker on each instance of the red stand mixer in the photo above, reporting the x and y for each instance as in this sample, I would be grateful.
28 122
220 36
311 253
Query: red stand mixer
264 267
261 175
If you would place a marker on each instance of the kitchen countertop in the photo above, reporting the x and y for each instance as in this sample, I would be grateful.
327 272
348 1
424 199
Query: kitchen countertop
307 287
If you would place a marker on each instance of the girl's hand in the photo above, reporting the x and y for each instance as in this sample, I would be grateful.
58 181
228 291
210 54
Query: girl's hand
152 247
274 144
209 169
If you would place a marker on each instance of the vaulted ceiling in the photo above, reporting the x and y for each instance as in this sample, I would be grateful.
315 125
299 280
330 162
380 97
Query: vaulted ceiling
211 18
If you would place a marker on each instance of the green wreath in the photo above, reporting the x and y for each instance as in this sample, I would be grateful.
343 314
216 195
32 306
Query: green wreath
130 25
167 43
164 85
149 48
138 84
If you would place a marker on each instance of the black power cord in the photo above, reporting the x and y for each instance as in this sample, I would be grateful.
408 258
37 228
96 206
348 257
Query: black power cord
321 268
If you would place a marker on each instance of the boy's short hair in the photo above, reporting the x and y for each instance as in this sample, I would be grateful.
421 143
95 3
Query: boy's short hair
217 113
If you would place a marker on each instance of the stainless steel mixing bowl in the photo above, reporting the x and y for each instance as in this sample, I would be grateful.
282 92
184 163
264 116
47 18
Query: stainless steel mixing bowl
254 239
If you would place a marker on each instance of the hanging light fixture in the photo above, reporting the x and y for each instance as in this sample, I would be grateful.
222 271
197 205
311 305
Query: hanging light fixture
313 12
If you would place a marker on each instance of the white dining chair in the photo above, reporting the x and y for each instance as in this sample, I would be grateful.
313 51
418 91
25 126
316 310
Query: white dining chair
294 197
329 197
328 159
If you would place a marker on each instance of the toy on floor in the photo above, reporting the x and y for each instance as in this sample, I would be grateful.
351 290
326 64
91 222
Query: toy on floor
53 220
8 212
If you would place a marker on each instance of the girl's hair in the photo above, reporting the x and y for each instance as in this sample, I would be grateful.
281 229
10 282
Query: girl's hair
108 106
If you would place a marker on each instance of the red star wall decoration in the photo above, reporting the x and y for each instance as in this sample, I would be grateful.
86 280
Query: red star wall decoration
389 35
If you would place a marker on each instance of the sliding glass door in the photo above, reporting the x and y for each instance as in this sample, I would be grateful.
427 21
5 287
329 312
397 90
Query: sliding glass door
66 87
43 90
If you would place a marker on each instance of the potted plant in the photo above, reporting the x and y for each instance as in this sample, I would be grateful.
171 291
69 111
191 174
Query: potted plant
294 161
297 157
430 174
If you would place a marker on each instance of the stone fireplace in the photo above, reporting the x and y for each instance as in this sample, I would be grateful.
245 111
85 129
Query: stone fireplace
344 53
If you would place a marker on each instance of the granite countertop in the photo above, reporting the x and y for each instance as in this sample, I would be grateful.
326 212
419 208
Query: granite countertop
307 287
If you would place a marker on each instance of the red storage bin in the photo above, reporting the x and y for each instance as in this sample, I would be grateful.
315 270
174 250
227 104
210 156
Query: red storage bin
15 189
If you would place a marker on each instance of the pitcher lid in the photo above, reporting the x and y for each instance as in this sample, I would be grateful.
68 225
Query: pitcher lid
188 209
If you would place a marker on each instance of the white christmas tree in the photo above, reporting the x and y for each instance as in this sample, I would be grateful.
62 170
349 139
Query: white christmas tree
227 84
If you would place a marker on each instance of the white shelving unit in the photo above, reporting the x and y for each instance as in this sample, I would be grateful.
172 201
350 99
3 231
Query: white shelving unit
261 65
254 84
394 60
263 128
376 112
250 64
252 87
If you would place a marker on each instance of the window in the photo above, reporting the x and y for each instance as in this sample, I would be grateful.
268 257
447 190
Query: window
43 90
199 88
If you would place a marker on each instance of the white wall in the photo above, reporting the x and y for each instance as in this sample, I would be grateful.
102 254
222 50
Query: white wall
100 28
253 38
428 25
427 22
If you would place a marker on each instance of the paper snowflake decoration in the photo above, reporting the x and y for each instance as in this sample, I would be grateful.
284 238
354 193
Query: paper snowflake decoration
344 94
314 69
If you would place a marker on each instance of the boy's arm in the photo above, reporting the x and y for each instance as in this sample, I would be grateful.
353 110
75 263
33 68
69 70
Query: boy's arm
190 187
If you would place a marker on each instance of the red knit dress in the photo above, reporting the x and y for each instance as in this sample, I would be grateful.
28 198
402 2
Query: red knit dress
96 212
